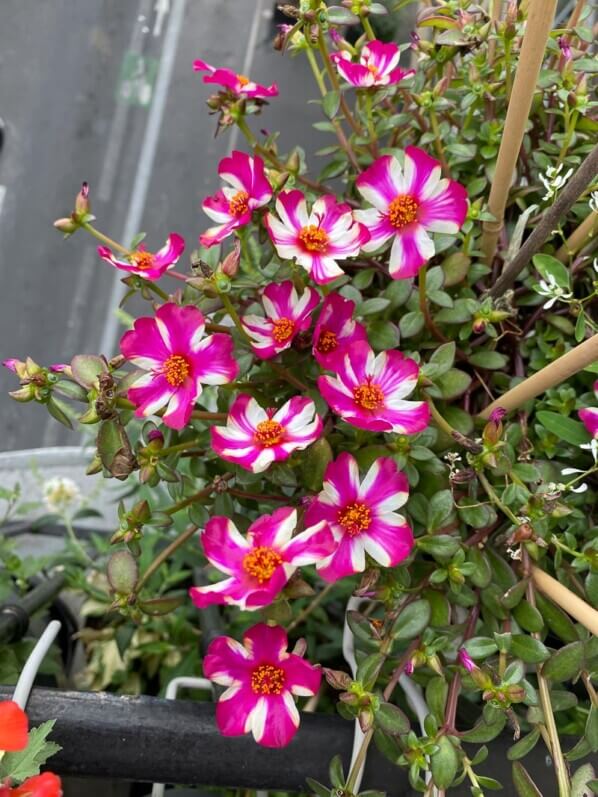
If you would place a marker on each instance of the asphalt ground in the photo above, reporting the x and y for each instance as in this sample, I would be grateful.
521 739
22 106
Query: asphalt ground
104 91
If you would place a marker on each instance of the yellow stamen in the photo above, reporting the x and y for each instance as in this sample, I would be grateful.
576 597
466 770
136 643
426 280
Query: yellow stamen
314 238
261 563
176 369
269 433
402 211
239 204
267 680
243 80
355 518
283 329
368 396
327 342
142 259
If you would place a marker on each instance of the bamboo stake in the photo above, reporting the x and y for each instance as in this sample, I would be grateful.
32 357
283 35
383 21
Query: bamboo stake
566 599
553 374
574 18
550 219
579 237
539 24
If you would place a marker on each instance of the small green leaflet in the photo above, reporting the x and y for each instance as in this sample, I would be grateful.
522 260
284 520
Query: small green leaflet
26 763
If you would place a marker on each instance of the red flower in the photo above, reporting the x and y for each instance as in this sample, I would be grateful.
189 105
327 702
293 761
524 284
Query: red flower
14 727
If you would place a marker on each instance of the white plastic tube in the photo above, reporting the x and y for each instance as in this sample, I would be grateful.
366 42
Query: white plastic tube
33 663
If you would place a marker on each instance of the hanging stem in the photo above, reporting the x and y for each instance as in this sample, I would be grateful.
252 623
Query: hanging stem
367 26
228 306
335 83
104 239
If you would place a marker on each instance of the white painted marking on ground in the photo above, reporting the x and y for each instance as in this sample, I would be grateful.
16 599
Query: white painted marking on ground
248 60
144 167
116 137
162 9
2 197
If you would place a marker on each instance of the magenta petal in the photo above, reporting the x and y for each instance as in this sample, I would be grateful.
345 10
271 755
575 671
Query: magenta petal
379 183
144 341
223 545
266 642
179 409
232 714
214 363
410 418
445 212
342 562
589 416
273 531
171 251
302 678
385 487
227 661
148 399
275 720
179 326
388 544
309 547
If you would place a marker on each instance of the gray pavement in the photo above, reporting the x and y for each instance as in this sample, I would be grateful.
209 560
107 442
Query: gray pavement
78 89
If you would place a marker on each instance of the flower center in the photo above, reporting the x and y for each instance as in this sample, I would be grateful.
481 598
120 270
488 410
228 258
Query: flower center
239 204
368 396
283 329
373 69
261 563
142 259
267 680
313 238
269 433
327 342
355 518
243 80
176 369
402 211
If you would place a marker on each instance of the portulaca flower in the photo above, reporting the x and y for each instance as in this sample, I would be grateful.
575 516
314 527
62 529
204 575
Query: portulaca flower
287 314
409 203
254 438
262 677
378 65
232 206
177 360
258 565
240 85
361 515
318 239
369 391
150 266
336 331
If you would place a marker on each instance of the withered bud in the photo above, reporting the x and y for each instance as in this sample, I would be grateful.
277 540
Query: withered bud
300 648
337 678
82 205
230 264
290 11
463 476
116 362
67 226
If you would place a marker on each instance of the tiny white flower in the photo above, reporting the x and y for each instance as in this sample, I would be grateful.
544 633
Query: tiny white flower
550 287
553 180
593 447
594 202
60 493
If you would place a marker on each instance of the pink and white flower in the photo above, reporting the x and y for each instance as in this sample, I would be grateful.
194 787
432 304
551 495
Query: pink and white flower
254 438
369 391
336 331
589 416
240 85
378 65
362 516
259 565
177 360
150 266
287 314
408 203
315 240
262 677
231 207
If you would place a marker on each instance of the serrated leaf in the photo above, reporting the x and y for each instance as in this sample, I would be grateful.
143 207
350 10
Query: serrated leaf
27 763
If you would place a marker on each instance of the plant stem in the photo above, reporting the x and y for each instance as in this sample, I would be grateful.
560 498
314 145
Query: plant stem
85 557
244 128
585 677
164 452
104 238
544 694
202 415
359 762
335 83
438 141
286 374
423 305
367 26
490 492
157 290
257 496
314 603
441 422
228 306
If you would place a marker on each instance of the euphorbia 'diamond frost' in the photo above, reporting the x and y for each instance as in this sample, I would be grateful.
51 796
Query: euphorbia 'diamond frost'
287 314
254 438
259 565
318 239
146 264
362 516
369 391
177 360
378 65
408 203
231 207
262 678
240 85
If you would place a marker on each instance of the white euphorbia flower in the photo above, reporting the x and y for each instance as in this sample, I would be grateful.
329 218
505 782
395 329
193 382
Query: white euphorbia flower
553 180
549 287
60 493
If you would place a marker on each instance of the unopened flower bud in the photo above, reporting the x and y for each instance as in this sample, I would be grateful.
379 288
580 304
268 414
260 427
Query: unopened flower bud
82 200
441 87
465 660
366 719
515 693
67 226
230 264
479 325
337 678
23 394
155 440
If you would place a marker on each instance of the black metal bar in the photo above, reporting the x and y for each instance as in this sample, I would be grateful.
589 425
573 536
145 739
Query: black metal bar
175 741
14 617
